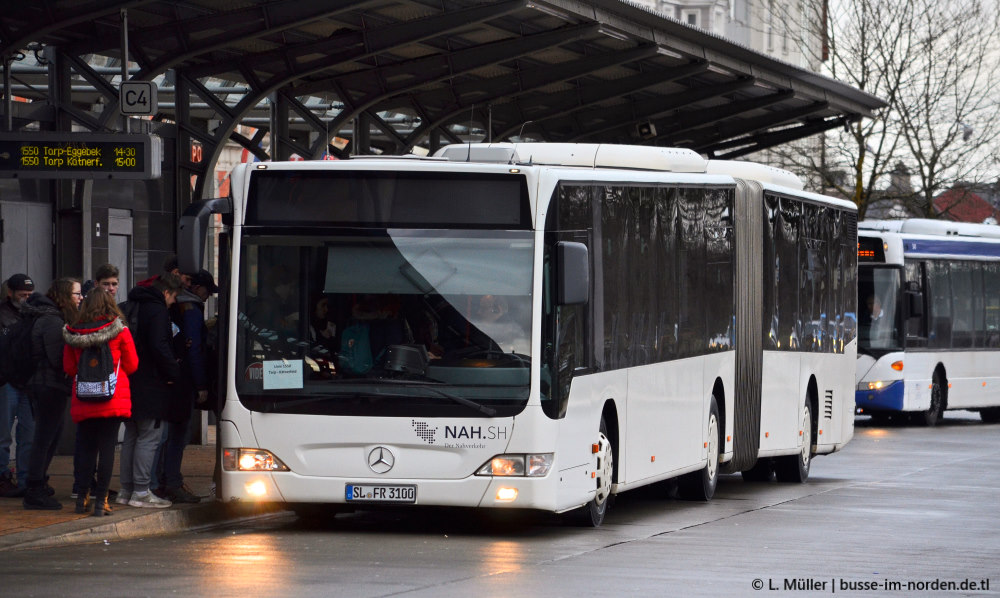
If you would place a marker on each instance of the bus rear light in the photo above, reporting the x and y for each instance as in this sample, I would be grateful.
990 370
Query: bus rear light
897 365
595 448
534 466
247 459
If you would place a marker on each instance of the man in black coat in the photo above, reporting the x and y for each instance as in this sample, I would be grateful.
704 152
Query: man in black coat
151 388
14 404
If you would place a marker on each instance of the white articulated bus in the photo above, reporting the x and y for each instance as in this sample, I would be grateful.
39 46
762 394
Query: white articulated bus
935 343
534 326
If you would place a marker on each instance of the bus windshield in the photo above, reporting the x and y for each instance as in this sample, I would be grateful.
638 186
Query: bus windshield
880 315
385 322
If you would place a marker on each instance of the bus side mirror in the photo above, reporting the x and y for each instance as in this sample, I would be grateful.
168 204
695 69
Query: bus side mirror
914 304
191 231
573 263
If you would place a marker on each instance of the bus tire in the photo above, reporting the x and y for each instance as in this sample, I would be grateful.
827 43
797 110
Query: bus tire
762 471
932 416
990 415
700 485
795 468
592 514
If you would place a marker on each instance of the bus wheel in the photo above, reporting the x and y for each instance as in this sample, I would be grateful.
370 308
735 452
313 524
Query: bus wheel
592 514
991 415
931 417
700 485
795 468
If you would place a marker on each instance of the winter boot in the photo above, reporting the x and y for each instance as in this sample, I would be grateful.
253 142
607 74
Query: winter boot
82 502
101 506
36 498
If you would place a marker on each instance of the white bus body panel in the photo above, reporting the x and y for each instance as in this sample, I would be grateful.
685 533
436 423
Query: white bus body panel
666 414
781 412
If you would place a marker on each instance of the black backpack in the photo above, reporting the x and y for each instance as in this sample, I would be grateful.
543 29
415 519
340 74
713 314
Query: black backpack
96 374
130 309
16 364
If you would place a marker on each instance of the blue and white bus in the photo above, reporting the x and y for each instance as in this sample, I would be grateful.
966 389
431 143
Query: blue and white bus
935 343
534 326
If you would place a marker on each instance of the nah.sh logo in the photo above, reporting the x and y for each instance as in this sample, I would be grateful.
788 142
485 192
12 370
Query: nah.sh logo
424 431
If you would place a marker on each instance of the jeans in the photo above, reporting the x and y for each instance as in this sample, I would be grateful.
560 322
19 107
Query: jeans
48 406
14 404
95 449
169 454
138 450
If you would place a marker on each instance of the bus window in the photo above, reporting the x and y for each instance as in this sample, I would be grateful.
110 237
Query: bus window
962 322
978 310
916 326
939 290
991 294
880 318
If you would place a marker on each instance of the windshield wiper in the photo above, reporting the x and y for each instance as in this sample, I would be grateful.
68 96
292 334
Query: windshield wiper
278 406
489 411
271 406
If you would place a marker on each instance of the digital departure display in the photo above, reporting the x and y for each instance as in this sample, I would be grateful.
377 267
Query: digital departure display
45 155
870 250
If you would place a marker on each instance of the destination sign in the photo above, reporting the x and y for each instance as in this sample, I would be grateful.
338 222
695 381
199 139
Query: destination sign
45 155
870 250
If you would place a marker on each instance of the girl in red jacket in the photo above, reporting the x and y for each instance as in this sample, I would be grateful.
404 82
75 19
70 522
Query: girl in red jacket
100 321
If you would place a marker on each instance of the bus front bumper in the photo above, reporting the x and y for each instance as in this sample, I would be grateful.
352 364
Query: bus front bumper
474 491
887 398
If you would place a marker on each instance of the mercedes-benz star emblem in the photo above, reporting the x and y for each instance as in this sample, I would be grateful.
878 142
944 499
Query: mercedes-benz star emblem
381 459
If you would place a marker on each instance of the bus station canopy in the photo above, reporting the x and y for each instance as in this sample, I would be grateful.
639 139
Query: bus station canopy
396 74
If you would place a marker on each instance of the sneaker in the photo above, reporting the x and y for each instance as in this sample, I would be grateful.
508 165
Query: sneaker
148 500
123 497
182 494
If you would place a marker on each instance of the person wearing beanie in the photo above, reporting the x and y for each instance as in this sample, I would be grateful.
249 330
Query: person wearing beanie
15 408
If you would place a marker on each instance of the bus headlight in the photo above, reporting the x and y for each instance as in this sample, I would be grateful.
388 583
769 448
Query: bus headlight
875 384
247 459
534 466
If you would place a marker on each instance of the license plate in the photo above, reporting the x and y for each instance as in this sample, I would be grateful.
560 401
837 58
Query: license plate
381 493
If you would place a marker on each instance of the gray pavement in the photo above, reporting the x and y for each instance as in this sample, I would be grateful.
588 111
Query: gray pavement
20 529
